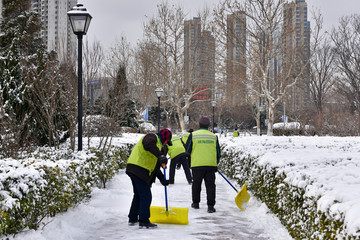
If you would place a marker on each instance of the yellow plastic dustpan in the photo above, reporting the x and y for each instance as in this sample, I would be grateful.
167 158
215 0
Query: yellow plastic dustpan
173 215
242 196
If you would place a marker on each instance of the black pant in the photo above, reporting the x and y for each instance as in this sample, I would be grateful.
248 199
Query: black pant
182 159
140 206
209 177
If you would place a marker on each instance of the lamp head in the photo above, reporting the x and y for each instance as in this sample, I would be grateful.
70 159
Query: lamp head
159 92
80 19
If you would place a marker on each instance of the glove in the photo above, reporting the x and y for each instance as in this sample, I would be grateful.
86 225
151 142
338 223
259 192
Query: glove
178 166
165 182
163 160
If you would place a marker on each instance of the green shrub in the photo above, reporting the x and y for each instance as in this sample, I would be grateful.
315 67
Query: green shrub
51 183
296 211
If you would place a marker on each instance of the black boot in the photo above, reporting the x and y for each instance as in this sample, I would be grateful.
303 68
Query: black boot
147 225
133 222
211 209
195 205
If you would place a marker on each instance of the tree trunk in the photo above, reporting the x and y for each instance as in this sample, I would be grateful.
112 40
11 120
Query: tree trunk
270 120
182 122
258 126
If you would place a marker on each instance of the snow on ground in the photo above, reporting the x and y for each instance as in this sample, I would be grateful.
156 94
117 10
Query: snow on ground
325 166
105 216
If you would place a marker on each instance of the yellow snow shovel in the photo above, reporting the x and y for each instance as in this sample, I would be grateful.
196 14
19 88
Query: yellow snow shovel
242 196
173 215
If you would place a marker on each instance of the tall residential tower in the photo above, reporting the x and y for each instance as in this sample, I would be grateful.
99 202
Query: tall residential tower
236 90
199 59
296 40
57 32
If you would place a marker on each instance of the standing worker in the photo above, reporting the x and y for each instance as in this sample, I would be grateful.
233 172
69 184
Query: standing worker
178 157
184 139
205 155
142 167
236 133
185 136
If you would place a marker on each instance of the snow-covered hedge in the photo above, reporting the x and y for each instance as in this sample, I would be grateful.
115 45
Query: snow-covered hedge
292 129
296 210
44 183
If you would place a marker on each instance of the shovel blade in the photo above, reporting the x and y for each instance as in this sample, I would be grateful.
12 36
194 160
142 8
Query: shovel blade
242 197
173 215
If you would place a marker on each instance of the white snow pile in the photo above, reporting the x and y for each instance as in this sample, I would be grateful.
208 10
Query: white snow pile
326 168
287 125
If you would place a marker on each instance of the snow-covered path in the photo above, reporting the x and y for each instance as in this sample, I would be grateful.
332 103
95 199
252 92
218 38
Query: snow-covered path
105 216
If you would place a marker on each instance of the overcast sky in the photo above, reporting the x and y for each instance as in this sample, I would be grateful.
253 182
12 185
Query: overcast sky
112 18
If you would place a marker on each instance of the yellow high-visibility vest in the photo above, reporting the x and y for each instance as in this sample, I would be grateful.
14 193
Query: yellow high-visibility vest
203 149
185 137
142 158
176 148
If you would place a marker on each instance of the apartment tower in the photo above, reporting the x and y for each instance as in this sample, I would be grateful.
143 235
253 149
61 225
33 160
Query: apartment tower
199 59
235 90
296 39
57 33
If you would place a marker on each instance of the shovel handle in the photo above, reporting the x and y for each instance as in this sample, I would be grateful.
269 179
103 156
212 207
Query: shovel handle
227 181
166 201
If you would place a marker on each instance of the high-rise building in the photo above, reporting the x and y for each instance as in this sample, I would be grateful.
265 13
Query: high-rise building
57 33
296 39
199 59
0 10
235 88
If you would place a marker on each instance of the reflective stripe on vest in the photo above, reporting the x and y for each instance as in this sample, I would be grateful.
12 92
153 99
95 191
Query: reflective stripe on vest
142 158
176 148
203 149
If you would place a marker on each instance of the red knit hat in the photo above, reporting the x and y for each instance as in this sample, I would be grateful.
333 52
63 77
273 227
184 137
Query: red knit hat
165 134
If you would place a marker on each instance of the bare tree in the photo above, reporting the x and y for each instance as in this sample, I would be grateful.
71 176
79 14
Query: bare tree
93 60
43 87
266 30
165 32
118 55
322 73
347 39
144 74
68 97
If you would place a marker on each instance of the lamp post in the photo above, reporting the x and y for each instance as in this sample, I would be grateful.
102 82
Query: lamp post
213 103
80 20
159 92
186 118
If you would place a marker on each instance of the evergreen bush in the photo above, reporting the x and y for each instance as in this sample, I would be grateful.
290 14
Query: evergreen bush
43 184
296 211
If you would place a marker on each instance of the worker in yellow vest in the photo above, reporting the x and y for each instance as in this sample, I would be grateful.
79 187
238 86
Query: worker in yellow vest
142 167
205 155
236 133
185 136
184 139
178 157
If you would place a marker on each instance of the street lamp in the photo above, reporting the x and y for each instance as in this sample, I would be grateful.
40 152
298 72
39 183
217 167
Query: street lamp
80 20
159 92
186 99
213 103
